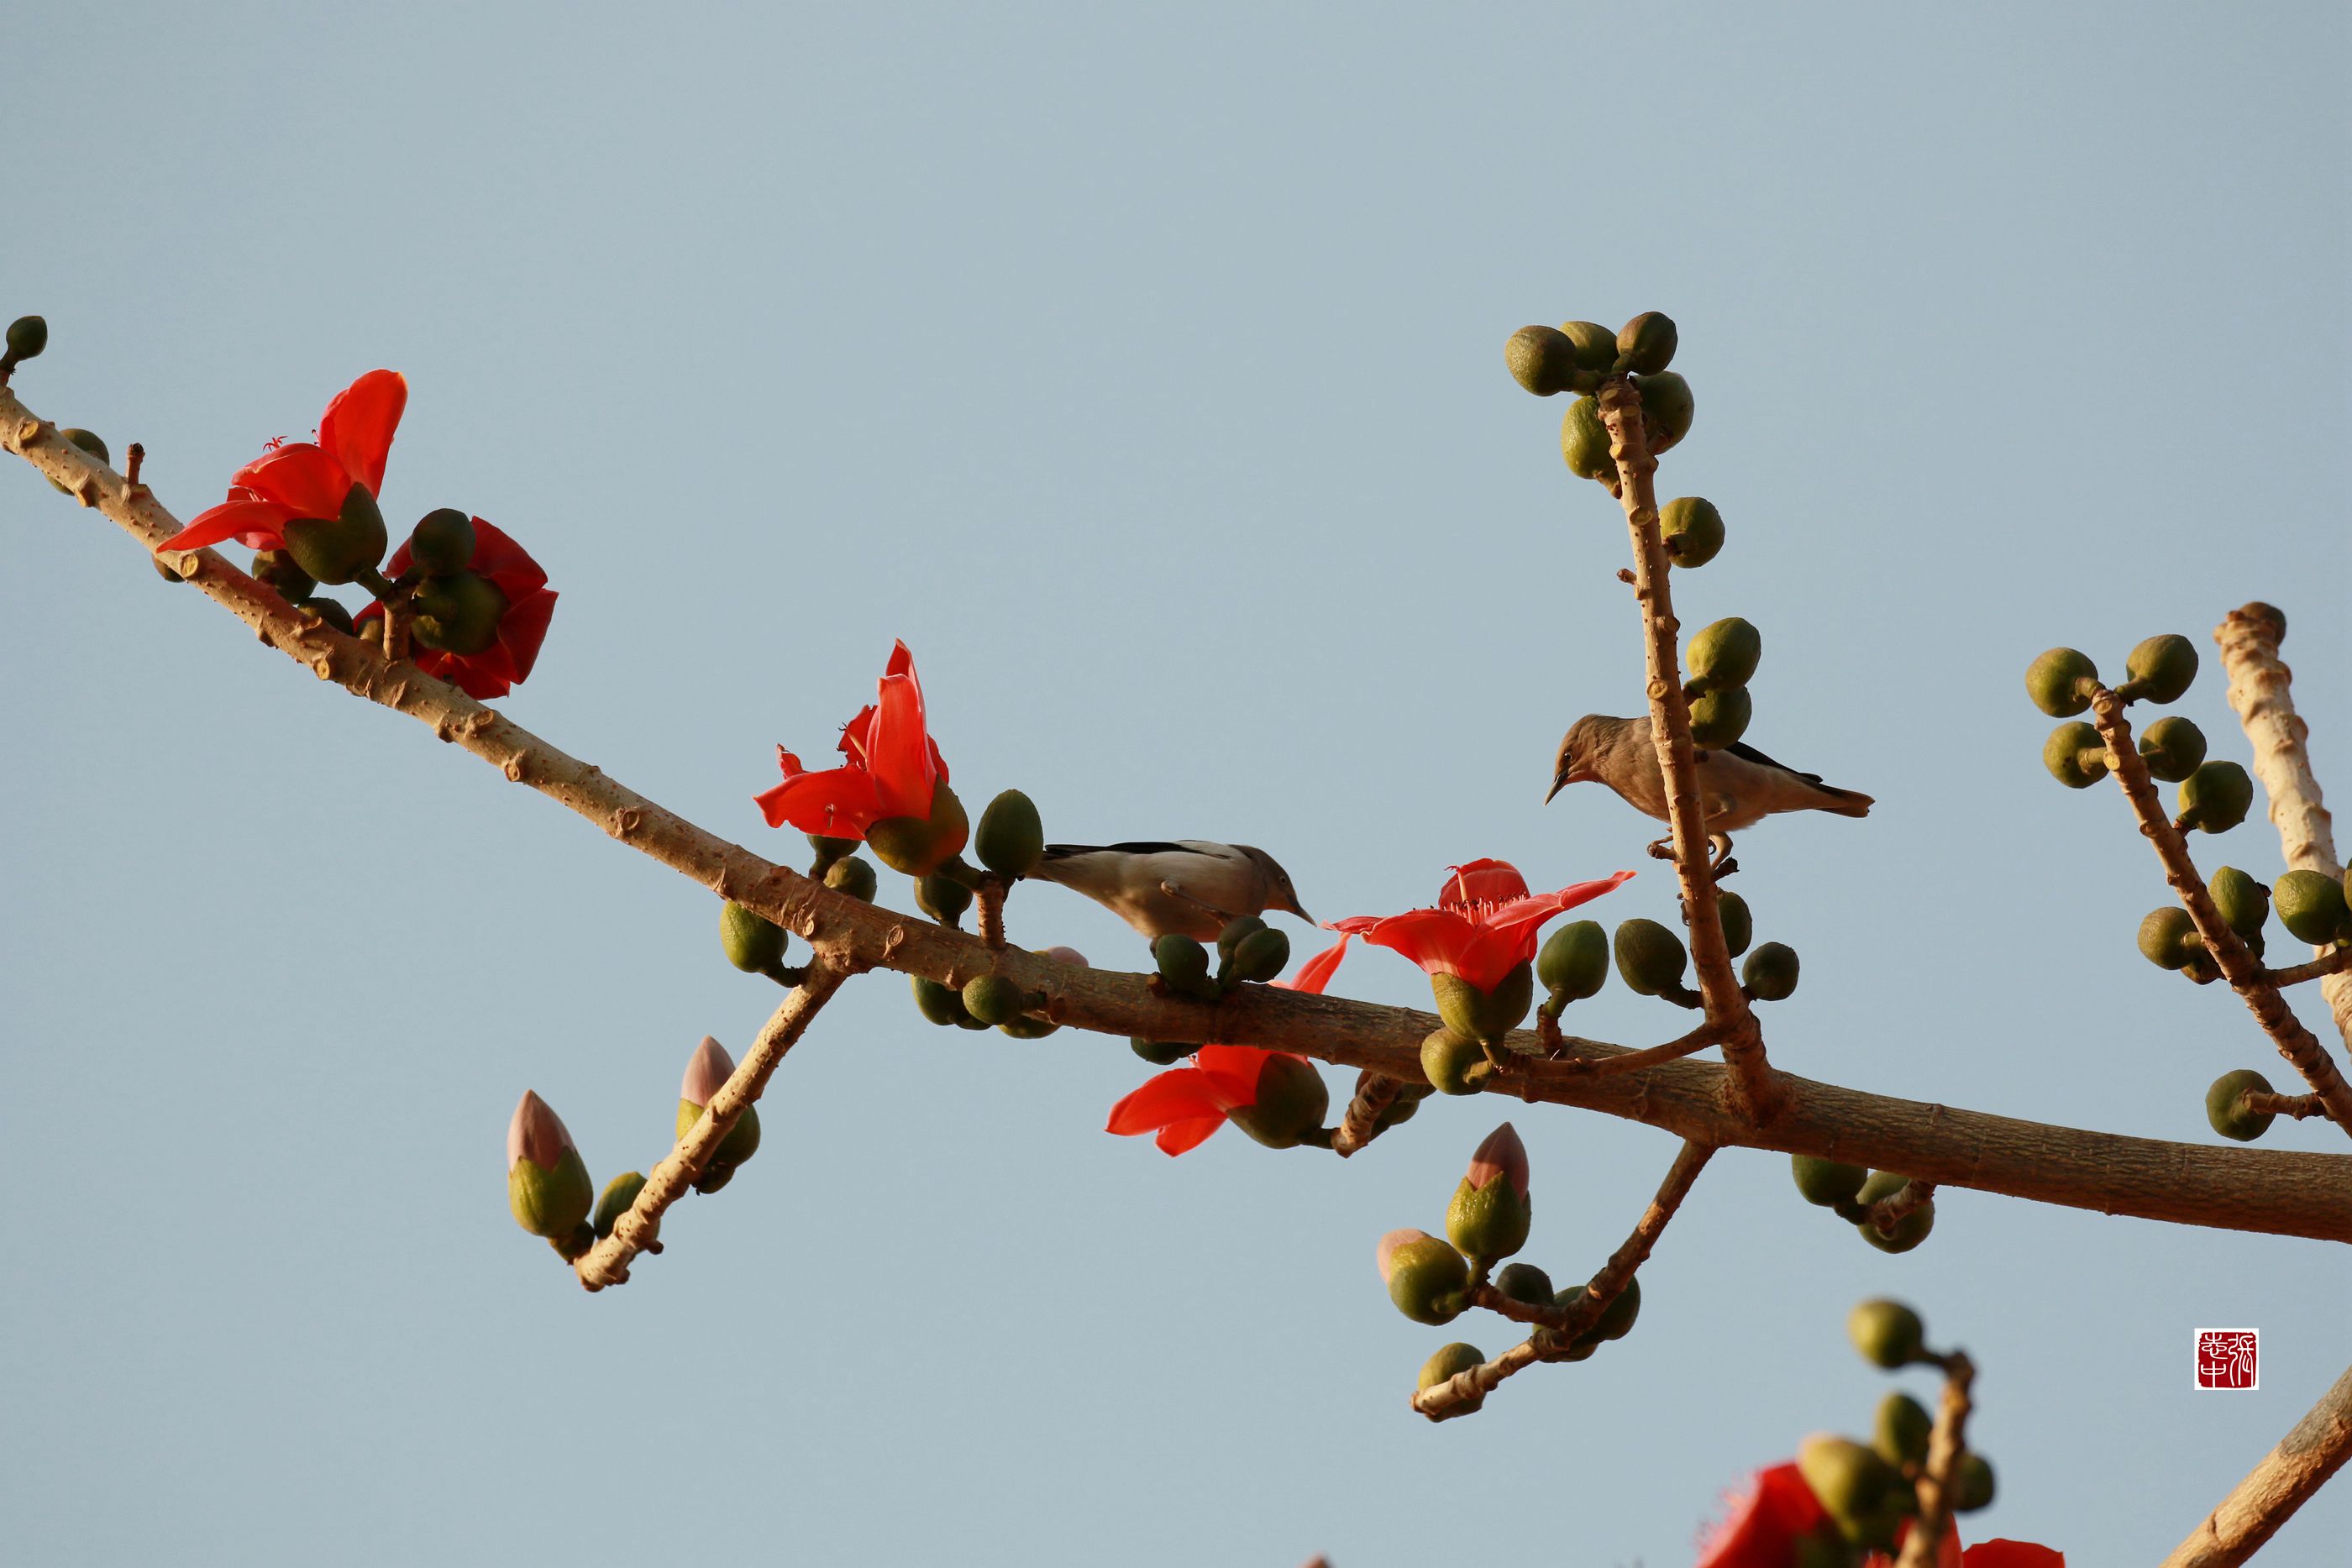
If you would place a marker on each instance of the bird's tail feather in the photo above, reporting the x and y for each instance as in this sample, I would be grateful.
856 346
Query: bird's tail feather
1844 802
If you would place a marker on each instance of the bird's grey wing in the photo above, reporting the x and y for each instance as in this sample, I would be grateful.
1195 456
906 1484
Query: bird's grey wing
1747 753
1139 847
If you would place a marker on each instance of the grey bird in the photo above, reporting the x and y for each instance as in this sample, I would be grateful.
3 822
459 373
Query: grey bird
1738 786
1191 887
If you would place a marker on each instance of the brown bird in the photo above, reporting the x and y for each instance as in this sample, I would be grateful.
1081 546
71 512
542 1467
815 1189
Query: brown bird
1738 786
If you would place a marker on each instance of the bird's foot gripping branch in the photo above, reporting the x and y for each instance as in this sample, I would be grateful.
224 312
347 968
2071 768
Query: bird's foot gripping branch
457 613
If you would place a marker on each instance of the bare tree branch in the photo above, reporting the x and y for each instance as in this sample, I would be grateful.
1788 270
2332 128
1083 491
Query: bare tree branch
2272 1491
2276 1191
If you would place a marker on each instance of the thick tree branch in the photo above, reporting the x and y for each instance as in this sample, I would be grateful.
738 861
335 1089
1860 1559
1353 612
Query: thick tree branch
607 1262
1749 1084
2275 1488
1945 1444
2277 1191
2297 1044
2261 694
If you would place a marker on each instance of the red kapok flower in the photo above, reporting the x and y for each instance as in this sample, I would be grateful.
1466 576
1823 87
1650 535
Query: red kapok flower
523 624
895 772
306 480
1763 1525
1184 1104
1485 926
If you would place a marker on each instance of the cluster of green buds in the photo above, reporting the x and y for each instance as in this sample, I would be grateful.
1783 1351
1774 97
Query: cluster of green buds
1869 1490
1653 961
994 1001
2214 796
277 570
1851 1192
1722 660
841 868
1009 841
1581 357
706 1071
1248 951
548 1185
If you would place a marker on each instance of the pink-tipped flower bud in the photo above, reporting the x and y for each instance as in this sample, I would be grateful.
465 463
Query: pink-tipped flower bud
1068 956
706 1072
548 1186
1427 1279
1489 1215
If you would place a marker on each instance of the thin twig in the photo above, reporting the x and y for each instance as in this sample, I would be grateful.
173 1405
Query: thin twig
1945 1446
1752 1092
1560 1326
1361 1122
1898 1205
607 1262
2297 1044
2278 1191
138 460
2335 960
2272 1491
2261 693
990 898
2298 1107
1696 1040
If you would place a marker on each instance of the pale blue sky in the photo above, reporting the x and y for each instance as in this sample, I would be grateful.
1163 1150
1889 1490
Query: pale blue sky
1143 370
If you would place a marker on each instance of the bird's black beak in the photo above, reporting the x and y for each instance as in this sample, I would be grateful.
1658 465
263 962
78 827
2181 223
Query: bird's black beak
1563 778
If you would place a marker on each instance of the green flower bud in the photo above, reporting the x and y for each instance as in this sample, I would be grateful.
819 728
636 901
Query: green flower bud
1160 1052
938 1004
1826 1182
1650 958
1645 345
1972 1484
28 336
2312 906
1541 360
1723 655
1401 1109
1260 956
1852 1482
1489 1215
828 850
1291 1101
918 846
1582 1347
1484 1015
548 1186
276 569
457 614
1027 1027
1719 719
1910 1230
1011 838
327 610
2075 755
1427 1279
2216 797
1449 1363
619 1196
1184 965
1667 406
1574 961
707 1072
339 548
1237 931
1454 1063
854 877
1616 1319
442 542
1525 1282
1901 1431
2243 903
2059 682
2172 747
1691 529
942 897
997 999
752 943
2225 1105
1888 1333
1584 442
1595 348
2161 669
2169 939
1739 926
1771 972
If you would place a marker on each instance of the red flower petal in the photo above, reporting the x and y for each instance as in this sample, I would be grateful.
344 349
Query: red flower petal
1480 882
1179 1095
504 562
900 752
1316 972
1178 1137
233 520
356 430
1234 1070
2012 1554
1761 1527
523 628
839 801
1436 939
303 479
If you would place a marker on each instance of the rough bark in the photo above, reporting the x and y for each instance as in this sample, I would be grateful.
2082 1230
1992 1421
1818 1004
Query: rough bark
2275 1488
